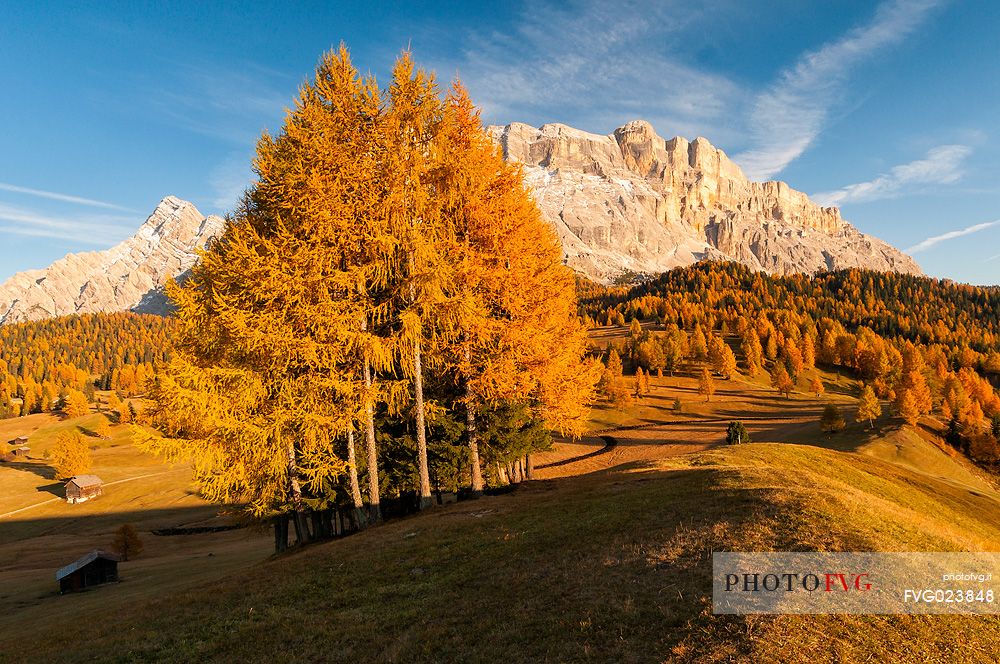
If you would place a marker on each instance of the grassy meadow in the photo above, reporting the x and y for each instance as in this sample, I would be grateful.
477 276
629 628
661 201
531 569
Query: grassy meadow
605 556
40 532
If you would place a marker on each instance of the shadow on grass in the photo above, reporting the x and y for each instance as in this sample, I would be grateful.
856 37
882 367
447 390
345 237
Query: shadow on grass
82 521
57 489
45 471
592 570
609 444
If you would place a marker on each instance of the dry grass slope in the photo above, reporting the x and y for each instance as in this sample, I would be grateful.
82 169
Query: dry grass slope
40 533
610 566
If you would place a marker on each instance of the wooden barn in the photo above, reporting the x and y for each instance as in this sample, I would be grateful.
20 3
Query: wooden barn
92 569
20 445
83 488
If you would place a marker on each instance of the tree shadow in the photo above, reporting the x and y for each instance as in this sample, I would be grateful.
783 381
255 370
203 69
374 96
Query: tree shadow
44 471
57 489
609 444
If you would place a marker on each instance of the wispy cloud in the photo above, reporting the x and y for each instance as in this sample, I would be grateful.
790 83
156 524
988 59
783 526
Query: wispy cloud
942 165
951 235
789 116
229 179
605 63
65 198
233 106
97 230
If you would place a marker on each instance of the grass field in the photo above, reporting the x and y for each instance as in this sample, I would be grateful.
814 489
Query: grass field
40 532
609 566
606 556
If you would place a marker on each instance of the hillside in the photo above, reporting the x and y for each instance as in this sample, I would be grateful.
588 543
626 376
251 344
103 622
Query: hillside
634 202
885 330
41 361
915 308
604 557
40 532
613 566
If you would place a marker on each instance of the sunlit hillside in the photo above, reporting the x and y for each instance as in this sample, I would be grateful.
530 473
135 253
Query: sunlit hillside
40 532
613 565
604 556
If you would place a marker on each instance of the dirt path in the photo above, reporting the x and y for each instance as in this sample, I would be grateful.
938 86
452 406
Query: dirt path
54 500
609 443
652 441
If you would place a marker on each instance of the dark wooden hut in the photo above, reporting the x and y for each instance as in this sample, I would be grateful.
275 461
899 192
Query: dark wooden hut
92 569
21 448
83 487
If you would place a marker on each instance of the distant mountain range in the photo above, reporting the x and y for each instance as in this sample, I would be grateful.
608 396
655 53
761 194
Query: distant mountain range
632 201
629 202
128 276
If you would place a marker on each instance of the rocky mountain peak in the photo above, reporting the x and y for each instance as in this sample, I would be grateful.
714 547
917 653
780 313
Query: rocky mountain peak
627 202
129 276
633 201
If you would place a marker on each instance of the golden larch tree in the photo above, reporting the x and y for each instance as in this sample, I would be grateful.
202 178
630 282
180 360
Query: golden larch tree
75 404
869 408
513 303
70 455
706 385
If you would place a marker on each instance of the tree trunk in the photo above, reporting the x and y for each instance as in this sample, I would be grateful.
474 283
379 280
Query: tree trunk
375 510
529 468
352 465
280 533
329 528
502 474
470 426
318 530
295 496
301 531
418 394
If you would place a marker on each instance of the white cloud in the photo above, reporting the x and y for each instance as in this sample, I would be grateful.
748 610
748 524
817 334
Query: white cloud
55 196
231 105
942 165
597 65
229 179
789 116
98 230
951 235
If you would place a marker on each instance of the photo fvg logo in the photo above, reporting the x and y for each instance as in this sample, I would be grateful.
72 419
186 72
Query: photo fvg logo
794 582
855 582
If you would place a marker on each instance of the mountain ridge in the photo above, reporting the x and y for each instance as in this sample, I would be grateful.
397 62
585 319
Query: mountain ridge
128 276
632 201
623 203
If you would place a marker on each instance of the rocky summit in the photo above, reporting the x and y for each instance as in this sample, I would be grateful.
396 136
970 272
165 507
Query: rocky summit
633 201
129 276
629 202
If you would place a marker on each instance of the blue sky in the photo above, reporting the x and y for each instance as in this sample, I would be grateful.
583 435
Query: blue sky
890 110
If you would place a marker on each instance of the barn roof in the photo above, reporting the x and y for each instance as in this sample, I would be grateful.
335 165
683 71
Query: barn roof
84 561
84 481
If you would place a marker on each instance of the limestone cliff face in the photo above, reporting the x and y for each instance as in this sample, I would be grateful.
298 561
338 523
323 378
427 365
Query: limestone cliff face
629 201
129 276
633 201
